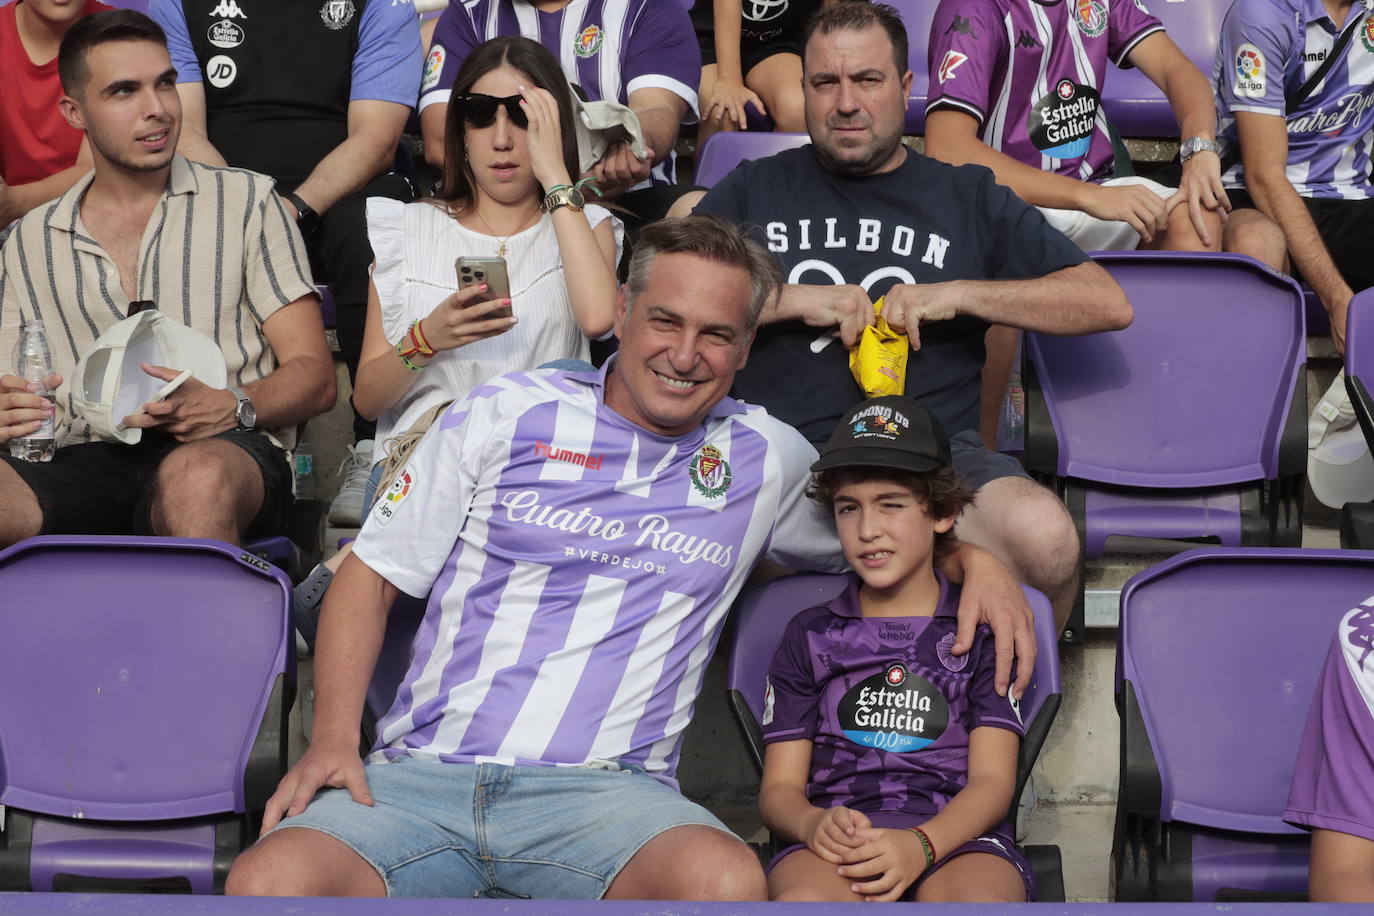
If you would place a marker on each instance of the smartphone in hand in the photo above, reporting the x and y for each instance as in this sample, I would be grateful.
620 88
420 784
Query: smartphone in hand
474 271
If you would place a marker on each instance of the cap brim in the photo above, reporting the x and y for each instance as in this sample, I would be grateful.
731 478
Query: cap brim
869 456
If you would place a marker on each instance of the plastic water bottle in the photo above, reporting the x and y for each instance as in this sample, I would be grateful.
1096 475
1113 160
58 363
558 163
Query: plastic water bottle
305 470
33 363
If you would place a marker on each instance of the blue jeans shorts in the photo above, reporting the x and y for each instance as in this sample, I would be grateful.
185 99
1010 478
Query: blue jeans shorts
488 830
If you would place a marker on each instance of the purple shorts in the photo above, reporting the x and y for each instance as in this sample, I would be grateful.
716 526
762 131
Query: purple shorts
997 842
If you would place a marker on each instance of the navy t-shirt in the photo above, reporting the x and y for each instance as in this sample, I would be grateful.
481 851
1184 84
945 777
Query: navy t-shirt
923 222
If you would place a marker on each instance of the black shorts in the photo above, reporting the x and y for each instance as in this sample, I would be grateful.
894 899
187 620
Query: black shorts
107 487
1346 227
751 53
978 464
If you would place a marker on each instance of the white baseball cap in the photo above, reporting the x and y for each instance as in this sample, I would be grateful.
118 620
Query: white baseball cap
110 384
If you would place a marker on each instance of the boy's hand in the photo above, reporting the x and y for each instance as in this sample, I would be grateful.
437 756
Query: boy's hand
889 862
836 833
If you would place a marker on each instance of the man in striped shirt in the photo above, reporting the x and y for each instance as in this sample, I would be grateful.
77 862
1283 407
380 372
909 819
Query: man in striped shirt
211 248
581 537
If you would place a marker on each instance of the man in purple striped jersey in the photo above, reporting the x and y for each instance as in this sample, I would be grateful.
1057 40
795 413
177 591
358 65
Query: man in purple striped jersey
1015 85
580 537
1303 159
641 53
1333 780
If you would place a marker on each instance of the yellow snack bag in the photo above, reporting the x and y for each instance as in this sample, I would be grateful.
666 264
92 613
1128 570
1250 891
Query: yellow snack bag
878 363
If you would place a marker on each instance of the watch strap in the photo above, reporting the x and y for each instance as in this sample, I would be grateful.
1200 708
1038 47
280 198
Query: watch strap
243 400
306 217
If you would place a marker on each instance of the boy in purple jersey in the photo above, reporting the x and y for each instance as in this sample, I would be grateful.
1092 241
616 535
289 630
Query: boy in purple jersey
1302 159
890 762
1333 781
1015 85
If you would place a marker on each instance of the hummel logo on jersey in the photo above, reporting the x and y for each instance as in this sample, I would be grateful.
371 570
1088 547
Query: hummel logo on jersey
962 26
1026 40
229 9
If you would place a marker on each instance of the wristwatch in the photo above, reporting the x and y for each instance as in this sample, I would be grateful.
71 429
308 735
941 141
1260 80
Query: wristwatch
245 414
307 220
1194 145
571 198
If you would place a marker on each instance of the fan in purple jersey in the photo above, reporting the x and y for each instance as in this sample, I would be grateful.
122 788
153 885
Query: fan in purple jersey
1015 85
641 53
1333 780
891 763
580 537
855 216
1300 152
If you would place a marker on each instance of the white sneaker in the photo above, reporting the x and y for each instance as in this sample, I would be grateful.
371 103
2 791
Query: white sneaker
346 511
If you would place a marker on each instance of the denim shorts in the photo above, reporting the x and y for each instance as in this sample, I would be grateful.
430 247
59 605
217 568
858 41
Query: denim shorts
488 830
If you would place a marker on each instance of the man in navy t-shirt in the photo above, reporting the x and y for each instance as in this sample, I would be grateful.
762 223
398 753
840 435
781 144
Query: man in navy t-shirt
856 215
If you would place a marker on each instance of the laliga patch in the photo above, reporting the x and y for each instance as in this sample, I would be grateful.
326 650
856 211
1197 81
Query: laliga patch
953 59
220 70
894 711
944 649
225 34
1061 123
588 41
396 494
1251 72
1090 16
434 65
709 472
337 13
768 703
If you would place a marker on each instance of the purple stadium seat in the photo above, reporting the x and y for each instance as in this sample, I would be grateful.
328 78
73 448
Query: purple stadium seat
135 704
1190 423
1135 105
1357 519
1217 657
756 627
916 16
727 149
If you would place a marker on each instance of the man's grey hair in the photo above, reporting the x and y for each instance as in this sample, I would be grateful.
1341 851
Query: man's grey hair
715 239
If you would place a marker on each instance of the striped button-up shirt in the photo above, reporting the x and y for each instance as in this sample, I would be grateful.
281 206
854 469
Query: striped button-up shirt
219 254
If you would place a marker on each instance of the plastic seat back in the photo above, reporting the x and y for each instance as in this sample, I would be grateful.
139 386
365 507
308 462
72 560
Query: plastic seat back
727 149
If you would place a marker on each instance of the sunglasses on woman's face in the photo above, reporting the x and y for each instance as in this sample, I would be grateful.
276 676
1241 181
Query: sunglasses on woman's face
479 109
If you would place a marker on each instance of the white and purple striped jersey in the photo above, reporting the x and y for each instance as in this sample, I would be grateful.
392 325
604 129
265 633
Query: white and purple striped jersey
578 569
1333 779
1268 49
1031 73
608 47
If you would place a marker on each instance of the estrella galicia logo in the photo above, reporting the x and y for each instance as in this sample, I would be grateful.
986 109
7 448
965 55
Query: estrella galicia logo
894 711
1061 123
961 26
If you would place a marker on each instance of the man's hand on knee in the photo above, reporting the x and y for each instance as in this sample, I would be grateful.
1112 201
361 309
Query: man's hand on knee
991 595
327 763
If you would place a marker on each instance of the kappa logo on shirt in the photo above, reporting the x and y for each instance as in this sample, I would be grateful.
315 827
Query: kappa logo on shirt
229 9
1026 40
588 41
962 26
953 60
1250 72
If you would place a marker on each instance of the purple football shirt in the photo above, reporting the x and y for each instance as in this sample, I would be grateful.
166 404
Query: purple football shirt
1032 73
608 47
888 708
1333 780
578 568
1271 47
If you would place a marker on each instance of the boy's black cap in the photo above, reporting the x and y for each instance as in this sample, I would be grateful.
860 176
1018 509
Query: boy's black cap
889 432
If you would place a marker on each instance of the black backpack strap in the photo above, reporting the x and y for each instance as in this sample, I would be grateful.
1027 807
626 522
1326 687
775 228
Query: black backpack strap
1292 100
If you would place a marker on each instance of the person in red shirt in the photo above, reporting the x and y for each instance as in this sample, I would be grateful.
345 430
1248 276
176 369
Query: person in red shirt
41 155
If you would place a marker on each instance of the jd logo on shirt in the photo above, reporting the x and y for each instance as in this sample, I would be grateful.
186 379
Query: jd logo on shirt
895 711
1061 123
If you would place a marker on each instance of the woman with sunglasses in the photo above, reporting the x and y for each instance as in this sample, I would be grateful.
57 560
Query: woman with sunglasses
507 191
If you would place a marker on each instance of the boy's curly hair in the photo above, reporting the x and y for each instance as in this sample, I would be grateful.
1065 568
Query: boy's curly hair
942 492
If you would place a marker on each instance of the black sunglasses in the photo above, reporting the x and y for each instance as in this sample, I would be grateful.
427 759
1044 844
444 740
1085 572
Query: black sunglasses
479 109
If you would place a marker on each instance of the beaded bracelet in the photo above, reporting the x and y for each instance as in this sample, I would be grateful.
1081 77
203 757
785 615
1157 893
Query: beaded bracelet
926 845
578 186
